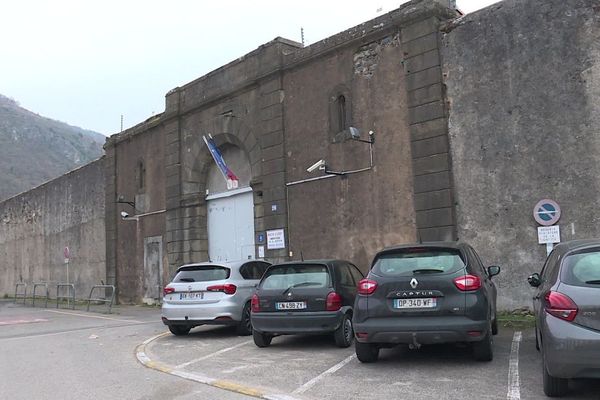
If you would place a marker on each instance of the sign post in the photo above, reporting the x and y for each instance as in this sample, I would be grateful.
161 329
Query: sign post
67 255
547 213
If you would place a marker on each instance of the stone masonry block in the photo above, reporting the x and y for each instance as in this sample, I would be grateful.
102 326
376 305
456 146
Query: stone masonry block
274 193
426 112
422 61
425 95
275 221
431 146
431 182
273 166
272 125
430 164
270 86
423 78
272 180
420 45
271 139
436 217
442 233
419 29
431 200
271 98
270 112
272 152
429 129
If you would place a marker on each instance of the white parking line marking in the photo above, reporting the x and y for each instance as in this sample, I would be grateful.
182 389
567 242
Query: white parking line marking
514 391
317 378
213 354
95 316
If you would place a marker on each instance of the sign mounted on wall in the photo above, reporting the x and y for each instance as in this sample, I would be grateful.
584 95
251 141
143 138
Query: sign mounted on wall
546 212
275 239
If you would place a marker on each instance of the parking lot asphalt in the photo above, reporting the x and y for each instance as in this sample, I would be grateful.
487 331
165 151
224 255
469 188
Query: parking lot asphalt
65 354
311 367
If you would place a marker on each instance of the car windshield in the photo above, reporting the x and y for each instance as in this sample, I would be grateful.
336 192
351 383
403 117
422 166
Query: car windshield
296 275
201 273
582 269
418 261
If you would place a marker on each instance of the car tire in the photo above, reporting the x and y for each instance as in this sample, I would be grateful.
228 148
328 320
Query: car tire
344 334
366 352
553 387
537 339
261 339
484 349
495 325
179 330
244 328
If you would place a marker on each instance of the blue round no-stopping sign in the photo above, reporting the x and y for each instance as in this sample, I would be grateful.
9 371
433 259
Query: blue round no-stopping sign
546 212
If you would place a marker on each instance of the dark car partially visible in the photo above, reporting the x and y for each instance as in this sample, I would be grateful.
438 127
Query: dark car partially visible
567 313
307 297
426 293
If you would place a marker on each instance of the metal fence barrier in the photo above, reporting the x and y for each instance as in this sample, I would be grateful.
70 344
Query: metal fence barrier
35 286
102 299
69 297
19 295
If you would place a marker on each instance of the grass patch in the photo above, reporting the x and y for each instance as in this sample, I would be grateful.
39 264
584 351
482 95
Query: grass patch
518 319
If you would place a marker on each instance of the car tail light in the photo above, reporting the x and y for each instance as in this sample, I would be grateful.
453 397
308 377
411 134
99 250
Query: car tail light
227 288
334 302
255 303
560 305
467 283
168 290
366 286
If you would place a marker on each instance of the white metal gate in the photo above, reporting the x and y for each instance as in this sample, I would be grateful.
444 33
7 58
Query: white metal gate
231 225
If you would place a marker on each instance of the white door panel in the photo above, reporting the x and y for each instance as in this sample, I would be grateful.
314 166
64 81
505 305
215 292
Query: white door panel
231 228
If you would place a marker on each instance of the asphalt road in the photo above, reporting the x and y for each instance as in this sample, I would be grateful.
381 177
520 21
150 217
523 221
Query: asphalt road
64 354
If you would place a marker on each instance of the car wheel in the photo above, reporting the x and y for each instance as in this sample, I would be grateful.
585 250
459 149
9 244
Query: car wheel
244 328
537 340
262 339
495 325
179 330
344 334
553 387
483 350
366 352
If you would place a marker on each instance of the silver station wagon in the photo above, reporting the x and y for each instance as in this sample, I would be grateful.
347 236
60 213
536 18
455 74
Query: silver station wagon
211 294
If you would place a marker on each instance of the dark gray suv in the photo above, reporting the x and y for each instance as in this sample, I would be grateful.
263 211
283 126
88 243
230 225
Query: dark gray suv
426 293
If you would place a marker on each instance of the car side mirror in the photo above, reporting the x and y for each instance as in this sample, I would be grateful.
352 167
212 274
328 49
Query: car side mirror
534 279
493 270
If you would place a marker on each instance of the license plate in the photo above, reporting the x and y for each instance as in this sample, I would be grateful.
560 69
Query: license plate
191 296
415 303
291 305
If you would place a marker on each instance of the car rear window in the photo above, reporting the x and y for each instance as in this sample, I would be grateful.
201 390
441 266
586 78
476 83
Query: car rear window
202 273
296 275
418 261
582 269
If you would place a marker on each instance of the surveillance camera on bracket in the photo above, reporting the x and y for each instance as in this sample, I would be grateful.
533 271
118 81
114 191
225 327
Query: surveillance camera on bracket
124 214
318 165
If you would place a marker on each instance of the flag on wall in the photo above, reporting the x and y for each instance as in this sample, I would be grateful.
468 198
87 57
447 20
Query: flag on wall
230 178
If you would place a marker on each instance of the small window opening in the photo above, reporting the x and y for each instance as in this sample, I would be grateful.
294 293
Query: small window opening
341 108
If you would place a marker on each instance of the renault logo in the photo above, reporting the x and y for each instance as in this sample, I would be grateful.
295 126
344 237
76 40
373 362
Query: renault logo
414 283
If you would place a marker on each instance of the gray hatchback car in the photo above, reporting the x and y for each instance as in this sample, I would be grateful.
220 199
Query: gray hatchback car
426 293
567 312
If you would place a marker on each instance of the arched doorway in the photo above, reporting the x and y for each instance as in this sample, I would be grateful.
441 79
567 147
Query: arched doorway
230 213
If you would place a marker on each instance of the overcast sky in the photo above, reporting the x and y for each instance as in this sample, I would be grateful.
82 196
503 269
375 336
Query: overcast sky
87 62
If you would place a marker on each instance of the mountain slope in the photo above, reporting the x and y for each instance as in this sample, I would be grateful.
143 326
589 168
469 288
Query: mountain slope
34 149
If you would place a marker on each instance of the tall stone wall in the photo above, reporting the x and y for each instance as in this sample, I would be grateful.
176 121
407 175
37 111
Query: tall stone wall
523 87
36 226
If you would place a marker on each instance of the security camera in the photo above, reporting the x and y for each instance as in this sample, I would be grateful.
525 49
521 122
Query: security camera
354 132
319 164
124 214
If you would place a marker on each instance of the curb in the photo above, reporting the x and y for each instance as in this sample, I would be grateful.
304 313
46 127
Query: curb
142 357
